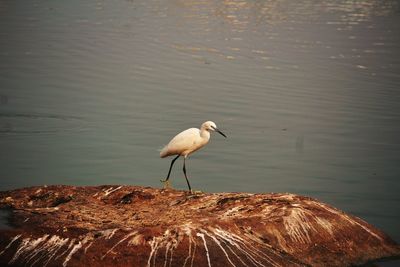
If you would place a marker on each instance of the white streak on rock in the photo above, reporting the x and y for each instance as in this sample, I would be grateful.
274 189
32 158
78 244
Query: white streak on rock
60 243
233 252
71 243
365 228
43 249
72 252
189 253
188 231
170 241
234 241
26 246
75 249
206 248
287 196
192 240
257 252
232 211
298 226
111 190
271 250
119 242
172 255
325 224
167 247
155 254
346 217
194 253
88 246
50 248
153 247
9 244
109 233
219 244
24 243
136 240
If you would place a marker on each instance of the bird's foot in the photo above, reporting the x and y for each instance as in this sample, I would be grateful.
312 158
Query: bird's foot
167 184
195 192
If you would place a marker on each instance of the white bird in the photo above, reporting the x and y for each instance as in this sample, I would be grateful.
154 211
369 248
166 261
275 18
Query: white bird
187 142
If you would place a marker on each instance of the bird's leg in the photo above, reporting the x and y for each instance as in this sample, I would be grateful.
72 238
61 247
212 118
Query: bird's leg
184 172
166 182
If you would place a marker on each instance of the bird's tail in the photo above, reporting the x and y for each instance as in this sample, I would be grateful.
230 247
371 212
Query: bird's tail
164 152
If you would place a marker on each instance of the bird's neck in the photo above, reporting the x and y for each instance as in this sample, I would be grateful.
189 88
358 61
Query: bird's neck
205 134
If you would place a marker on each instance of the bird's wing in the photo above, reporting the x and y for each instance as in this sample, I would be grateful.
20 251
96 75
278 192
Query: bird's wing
181 142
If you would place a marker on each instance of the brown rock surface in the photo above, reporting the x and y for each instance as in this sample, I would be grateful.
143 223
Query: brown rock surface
136 226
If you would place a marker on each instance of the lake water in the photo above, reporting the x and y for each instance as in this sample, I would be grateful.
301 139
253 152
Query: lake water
307 92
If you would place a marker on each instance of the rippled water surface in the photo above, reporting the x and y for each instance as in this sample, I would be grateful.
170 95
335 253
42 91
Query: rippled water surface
308 93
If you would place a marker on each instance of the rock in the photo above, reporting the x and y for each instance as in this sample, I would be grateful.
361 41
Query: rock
137 226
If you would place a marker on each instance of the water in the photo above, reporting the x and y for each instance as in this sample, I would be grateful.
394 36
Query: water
307 92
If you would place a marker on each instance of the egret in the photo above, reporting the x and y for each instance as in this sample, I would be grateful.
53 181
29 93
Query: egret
187 142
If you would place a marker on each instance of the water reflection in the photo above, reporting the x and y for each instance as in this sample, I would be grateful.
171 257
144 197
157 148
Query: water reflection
240 14
248 30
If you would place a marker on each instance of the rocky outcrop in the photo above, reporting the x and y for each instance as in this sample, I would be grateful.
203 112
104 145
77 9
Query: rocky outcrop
136 226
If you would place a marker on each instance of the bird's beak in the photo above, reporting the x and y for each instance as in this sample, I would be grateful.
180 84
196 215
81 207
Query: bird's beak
217 130
221 133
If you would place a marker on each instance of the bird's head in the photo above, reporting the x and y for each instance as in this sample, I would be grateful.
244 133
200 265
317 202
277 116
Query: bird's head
211 127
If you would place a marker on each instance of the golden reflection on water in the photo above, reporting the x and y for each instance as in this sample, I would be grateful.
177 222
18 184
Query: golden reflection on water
241 13
237 20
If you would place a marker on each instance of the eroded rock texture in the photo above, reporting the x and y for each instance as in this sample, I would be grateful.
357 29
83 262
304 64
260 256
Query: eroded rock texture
136 226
